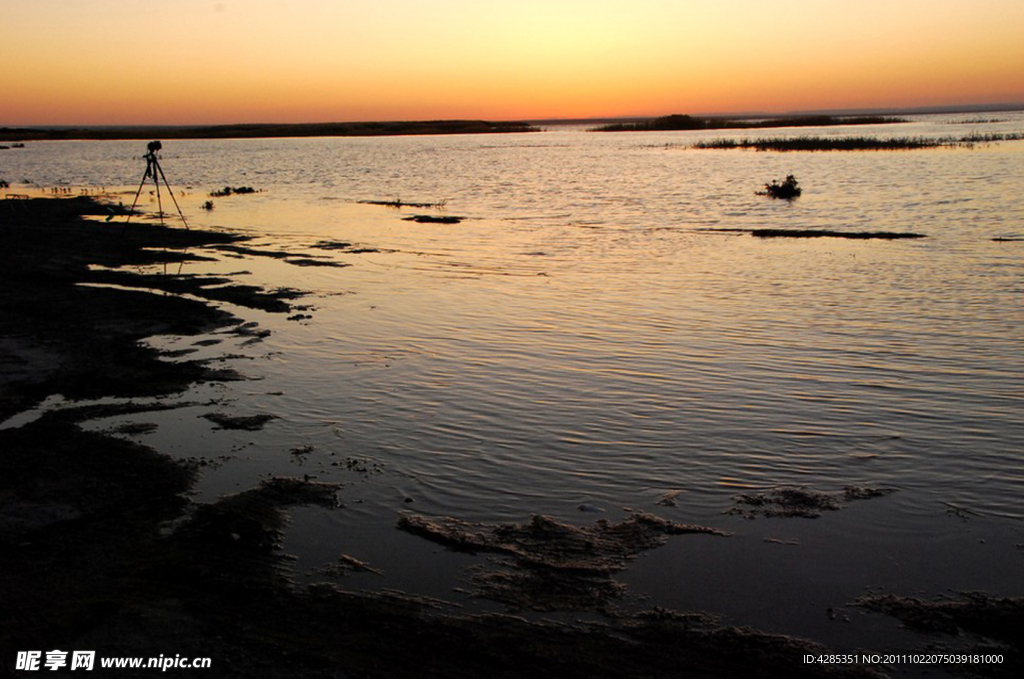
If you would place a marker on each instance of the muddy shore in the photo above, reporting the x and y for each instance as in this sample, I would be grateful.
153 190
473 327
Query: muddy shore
100 547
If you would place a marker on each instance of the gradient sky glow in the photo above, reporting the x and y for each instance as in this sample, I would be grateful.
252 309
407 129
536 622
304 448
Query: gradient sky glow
224 61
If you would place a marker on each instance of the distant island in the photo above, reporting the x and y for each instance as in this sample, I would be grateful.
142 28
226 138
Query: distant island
679 121
265 130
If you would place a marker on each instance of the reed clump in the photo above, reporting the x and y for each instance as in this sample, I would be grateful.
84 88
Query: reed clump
788 189
823 143
229 191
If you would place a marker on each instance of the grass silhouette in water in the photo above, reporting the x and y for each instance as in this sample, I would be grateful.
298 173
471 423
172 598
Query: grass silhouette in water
819 143
819 233
787 190
228 191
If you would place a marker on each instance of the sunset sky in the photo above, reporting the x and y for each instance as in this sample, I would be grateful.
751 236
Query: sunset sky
223 61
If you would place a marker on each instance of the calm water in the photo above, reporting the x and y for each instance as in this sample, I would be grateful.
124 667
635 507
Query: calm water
582 338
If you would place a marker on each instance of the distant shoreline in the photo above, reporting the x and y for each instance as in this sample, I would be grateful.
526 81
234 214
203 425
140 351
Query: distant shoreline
265 130
431 127
764 115
680 122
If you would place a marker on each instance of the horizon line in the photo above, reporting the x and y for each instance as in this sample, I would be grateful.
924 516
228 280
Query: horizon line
905 110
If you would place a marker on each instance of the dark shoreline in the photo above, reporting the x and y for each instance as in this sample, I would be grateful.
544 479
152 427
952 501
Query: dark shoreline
87 561
265 130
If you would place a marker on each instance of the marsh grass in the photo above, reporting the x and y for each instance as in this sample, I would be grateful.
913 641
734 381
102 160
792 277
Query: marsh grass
229 191
820 143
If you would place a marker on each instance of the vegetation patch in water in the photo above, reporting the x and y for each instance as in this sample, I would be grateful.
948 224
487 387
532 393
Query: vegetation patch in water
821 143
228 191
788 189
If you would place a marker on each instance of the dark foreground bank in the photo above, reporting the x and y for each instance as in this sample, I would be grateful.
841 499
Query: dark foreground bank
100 548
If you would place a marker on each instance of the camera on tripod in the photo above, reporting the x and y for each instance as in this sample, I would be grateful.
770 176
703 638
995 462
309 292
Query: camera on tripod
154 170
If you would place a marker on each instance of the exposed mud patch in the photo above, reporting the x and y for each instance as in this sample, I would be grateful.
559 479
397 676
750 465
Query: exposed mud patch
552 565
252 252
863 493
346 565
971 623
543 589
136 428
433 219
398 203
668 499
347 247
821 233
239 537
62 334
252 331
793 501
242 422
971 612
361 465
252 519
309 261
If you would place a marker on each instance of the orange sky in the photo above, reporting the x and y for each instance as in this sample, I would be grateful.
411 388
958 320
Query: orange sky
224 61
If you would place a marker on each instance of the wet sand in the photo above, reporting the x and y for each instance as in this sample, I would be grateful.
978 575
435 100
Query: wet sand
100 548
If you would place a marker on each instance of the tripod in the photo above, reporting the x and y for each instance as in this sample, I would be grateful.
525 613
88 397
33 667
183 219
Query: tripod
154 170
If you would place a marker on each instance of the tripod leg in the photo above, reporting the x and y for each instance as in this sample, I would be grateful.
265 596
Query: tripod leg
159 202
171 191
132 211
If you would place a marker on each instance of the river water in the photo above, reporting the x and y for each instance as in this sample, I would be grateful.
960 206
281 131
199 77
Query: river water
585 342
